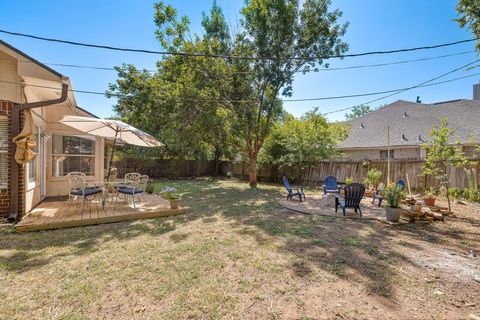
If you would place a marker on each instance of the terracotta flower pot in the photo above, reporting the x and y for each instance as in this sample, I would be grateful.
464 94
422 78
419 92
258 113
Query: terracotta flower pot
173 203
429 201
393 214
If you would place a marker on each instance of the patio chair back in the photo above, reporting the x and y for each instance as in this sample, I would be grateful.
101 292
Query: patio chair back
142 182
286 184
75 182
71 181
353 195
132 178
76 173
330 182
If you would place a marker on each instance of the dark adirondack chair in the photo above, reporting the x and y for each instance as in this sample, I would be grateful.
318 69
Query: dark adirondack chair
330 185
353 196
401 183
290 189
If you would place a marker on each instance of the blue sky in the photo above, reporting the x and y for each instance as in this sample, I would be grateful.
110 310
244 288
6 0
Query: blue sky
374 25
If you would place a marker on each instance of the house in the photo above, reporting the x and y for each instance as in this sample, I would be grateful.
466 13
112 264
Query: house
26 84
410 124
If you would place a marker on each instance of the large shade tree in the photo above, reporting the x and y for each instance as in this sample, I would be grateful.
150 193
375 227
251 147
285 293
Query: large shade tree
178 105
246 71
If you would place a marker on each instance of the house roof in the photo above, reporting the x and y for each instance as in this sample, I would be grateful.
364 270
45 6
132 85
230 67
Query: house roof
88 112
47 83
30 58
409 120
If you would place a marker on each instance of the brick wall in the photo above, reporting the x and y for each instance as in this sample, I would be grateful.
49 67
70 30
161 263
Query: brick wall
6 109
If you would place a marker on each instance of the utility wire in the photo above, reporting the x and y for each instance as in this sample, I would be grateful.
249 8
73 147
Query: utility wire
251 72
208 55
284 100
422 84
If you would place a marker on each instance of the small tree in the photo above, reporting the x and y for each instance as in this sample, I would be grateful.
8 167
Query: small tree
441 154
301 141
357 112
374 176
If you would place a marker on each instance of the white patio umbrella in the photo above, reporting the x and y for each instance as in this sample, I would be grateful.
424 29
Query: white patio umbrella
112 129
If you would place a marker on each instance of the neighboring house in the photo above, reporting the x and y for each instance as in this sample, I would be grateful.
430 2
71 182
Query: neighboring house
410 124
27 83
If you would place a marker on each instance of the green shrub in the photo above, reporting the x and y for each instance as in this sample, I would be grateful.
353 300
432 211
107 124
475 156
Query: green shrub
471 194
373 178
392 194
170 195
149 188
348 180
455 193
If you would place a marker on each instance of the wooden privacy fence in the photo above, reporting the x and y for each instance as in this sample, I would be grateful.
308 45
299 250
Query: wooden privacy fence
308 175
314 173
157 168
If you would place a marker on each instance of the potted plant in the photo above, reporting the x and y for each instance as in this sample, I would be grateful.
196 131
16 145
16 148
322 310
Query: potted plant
348 180
149 188
392 195
429 198
171 194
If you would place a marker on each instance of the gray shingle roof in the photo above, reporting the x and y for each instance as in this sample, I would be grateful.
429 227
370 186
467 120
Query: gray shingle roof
462 115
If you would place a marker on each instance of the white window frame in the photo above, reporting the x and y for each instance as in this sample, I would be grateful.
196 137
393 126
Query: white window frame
33 184
52 154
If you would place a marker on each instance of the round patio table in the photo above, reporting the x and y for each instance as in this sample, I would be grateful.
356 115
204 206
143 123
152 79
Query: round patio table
106 186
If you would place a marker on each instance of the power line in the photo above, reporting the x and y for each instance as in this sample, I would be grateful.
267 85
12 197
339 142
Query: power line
397 62
422 84
208 55
396 91
250 72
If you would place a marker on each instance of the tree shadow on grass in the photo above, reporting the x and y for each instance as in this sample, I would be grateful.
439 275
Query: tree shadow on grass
342 248
22 252
360 251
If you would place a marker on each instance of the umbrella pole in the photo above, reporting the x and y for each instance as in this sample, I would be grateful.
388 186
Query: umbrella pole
111 155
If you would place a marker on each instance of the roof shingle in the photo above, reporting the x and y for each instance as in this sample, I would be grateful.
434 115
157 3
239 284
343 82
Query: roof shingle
413 120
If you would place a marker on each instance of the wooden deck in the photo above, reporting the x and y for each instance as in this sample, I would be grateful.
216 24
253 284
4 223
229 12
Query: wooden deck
55 214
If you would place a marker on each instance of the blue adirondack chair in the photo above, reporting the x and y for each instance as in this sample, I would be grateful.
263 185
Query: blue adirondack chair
353 196
400 183
330 185
290 189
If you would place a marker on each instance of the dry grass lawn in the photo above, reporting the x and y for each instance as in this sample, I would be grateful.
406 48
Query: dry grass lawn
236 254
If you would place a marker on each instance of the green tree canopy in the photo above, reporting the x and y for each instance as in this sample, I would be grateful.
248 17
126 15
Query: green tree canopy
469 16
442 153
357 112
297 141
275 39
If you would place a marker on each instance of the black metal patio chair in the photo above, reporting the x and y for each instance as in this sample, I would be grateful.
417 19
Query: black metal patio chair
352 198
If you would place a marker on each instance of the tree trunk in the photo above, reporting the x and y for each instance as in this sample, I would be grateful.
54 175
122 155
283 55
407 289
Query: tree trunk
448 197
253 171
217 162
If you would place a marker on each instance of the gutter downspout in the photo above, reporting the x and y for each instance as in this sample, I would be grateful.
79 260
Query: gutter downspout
15 130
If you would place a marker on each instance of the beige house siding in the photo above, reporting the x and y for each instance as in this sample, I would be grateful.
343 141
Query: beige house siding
10 90
13 68
373 154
